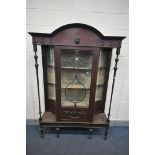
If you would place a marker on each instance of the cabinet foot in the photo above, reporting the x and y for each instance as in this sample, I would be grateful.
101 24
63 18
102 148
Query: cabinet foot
90 133
106 132
57 132
41 132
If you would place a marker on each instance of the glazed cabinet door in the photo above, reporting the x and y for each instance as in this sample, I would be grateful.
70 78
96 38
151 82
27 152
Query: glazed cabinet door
76 75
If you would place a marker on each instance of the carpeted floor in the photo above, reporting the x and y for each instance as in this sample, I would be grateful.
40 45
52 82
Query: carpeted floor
76 142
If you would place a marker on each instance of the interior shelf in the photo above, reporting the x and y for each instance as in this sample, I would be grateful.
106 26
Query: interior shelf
70 104
52 98
53 66
68 67
74 86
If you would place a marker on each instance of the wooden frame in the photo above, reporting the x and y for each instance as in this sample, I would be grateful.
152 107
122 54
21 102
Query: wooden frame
81 37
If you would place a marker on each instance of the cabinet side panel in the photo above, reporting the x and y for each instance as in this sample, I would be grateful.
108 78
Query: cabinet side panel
47 77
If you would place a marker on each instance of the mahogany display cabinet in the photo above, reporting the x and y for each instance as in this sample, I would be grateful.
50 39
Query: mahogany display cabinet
76 61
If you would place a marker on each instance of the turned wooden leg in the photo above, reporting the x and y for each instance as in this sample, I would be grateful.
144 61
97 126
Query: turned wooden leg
57 132
42 132
106 132
90 133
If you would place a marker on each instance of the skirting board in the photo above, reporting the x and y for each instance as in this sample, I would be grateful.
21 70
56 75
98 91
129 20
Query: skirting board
112 122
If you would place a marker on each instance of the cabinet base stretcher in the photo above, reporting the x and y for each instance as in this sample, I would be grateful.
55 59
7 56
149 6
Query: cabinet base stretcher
49 120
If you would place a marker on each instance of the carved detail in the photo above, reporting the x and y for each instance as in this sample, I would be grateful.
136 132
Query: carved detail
34 41
77 40
74 114
102 42
51 41
42 40
111 43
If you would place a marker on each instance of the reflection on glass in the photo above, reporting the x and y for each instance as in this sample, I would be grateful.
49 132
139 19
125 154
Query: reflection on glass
51 73
99 90
51 91
101 75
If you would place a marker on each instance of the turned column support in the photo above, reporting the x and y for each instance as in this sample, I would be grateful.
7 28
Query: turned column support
36 66
114 75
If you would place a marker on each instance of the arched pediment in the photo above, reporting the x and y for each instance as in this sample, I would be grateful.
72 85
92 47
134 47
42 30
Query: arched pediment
78 26
76 34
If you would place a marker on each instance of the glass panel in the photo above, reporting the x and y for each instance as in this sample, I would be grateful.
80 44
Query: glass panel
99 90
50 57
51 73
101 75
76 68
51 91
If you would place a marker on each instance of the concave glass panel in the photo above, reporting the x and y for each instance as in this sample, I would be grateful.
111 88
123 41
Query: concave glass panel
76 68
99 90
50 57
51 73
51 92
102 59
101 75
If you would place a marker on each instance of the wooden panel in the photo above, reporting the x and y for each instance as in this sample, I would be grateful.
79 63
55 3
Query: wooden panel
49 29
51 106
100 118
50 118
74 115
70 42
67 35
99 107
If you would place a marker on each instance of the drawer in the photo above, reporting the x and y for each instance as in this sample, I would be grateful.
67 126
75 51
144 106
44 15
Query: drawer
74 115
